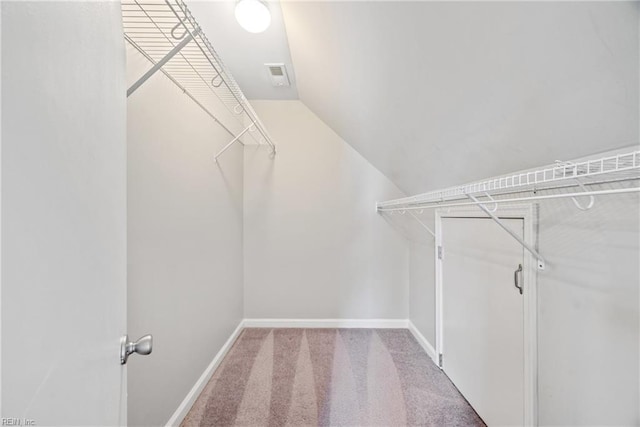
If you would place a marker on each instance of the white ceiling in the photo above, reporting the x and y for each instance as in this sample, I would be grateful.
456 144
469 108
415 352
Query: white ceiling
245 53
439 93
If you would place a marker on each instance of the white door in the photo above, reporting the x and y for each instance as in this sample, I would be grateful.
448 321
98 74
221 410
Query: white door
63 213
483 319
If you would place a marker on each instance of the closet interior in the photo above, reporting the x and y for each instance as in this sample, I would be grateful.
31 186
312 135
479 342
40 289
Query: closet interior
249 212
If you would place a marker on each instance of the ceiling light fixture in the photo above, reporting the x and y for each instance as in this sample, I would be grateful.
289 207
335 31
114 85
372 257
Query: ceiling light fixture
253 15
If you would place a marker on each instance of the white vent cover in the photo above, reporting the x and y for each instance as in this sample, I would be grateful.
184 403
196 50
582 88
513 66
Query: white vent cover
278 75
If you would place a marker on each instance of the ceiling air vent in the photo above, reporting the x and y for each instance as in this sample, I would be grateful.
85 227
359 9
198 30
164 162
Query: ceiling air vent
278 75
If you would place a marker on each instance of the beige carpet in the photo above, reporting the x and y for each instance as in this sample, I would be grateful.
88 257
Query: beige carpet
329 377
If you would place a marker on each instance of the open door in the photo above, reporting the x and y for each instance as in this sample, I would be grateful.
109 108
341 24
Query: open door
63 213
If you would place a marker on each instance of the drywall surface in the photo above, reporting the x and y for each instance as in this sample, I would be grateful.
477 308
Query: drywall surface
185 242
422 287
435 94
314 245
589 313
63 213
417 228
588 308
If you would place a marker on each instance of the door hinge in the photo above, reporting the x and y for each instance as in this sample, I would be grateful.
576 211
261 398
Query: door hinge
440 252
440 360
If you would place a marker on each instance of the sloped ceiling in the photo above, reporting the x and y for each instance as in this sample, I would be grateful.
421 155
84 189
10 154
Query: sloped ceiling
440 93
245 53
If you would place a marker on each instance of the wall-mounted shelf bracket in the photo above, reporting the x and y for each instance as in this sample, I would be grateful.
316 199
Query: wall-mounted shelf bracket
166 33
226 147
540 261
160 63
423 225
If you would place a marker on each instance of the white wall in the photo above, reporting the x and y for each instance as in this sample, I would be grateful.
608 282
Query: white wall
588 308
314 246
422 285
421 267
185 242
589 313
63 212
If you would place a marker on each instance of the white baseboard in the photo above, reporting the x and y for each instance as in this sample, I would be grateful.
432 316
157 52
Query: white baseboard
326 323
195 391
426 345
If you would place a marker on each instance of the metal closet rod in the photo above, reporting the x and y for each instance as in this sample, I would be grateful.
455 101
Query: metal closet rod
220 72
505 192
541 263
431 205
187 37
613 168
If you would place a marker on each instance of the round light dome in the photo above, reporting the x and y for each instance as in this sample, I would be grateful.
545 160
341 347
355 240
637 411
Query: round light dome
253 15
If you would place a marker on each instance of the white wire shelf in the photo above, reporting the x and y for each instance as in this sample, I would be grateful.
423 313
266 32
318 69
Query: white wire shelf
621 167
166 33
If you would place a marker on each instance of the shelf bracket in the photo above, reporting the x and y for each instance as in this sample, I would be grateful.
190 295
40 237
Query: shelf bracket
226 147
161 63
540 261
423 224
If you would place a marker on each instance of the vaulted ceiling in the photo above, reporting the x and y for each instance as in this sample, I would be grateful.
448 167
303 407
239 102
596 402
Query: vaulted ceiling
246 53
439 93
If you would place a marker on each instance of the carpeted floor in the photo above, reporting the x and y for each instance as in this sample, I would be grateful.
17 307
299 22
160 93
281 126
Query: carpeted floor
329 377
